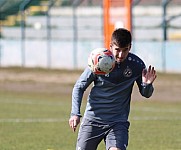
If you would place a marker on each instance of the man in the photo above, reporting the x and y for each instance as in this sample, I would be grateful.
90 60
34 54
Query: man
108 104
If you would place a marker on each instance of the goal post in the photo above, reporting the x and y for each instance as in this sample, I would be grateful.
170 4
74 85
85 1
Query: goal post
116 13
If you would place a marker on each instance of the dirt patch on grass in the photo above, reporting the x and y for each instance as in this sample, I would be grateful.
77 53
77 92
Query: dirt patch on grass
167 86
38 80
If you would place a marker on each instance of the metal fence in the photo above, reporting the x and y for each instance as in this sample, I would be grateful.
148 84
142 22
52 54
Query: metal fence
63 36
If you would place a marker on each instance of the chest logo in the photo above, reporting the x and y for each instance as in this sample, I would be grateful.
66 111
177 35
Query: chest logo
127 72
107 75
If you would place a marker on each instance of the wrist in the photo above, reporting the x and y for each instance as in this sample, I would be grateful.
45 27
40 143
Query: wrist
144 84
78 115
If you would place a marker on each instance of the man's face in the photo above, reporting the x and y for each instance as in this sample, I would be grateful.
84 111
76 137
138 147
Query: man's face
120 53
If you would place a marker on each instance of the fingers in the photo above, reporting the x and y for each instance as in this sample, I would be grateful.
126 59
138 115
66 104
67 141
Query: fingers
151 70
144 72
73 122
148 76
74 125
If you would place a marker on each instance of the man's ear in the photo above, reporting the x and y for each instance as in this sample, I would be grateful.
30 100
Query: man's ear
110 45
130 47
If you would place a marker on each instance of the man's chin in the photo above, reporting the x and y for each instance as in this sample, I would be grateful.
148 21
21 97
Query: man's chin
119 60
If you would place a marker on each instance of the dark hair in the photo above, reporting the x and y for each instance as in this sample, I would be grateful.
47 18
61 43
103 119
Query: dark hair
121 37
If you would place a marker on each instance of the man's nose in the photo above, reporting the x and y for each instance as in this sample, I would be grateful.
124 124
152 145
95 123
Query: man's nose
120 54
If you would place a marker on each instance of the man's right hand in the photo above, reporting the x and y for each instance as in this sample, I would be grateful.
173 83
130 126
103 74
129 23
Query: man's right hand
73 122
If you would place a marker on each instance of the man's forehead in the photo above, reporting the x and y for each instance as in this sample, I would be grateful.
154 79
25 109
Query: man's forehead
126 47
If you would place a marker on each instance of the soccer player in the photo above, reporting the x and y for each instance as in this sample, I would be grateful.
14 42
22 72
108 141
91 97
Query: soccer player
108 104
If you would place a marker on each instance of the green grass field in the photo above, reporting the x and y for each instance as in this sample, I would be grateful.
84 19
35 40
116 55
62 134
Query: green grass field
35 106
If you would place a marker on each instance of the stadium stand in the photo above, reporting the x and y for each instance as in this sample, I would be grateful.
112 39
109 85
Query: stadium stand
145 20
15 6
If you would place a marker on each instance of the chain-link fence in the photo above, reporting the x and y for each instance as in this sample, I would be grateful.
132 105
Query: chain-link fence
61 34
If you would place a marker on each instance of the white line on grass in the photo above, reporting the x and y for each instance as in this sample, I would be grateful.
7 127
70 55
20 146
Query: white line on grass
156 118
54 120
29 102
32 120
149 109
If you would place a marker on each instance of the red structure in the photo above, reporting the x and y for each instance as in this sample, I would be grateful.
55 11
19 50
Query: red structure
111 22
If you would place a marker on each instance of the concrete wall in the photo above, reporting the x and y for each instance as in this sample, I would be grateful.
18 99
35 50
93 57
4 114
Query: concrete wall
63 50
164 56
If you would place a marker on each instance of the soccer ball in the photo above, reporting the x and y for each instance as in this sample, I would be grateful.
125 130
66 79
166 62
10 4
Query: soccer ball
101 61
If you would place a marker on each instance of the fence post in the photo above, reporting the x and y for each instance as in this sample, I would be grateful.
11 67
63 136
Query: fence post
22 8
22 37
164 26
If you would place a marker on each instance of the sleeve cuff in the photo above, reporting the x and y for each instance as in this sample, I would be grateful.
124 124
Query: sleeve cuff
79 115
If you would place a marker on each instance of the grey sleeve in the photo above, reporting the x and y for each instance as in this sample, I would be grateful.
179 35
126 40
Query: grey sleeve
86 78
146 90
